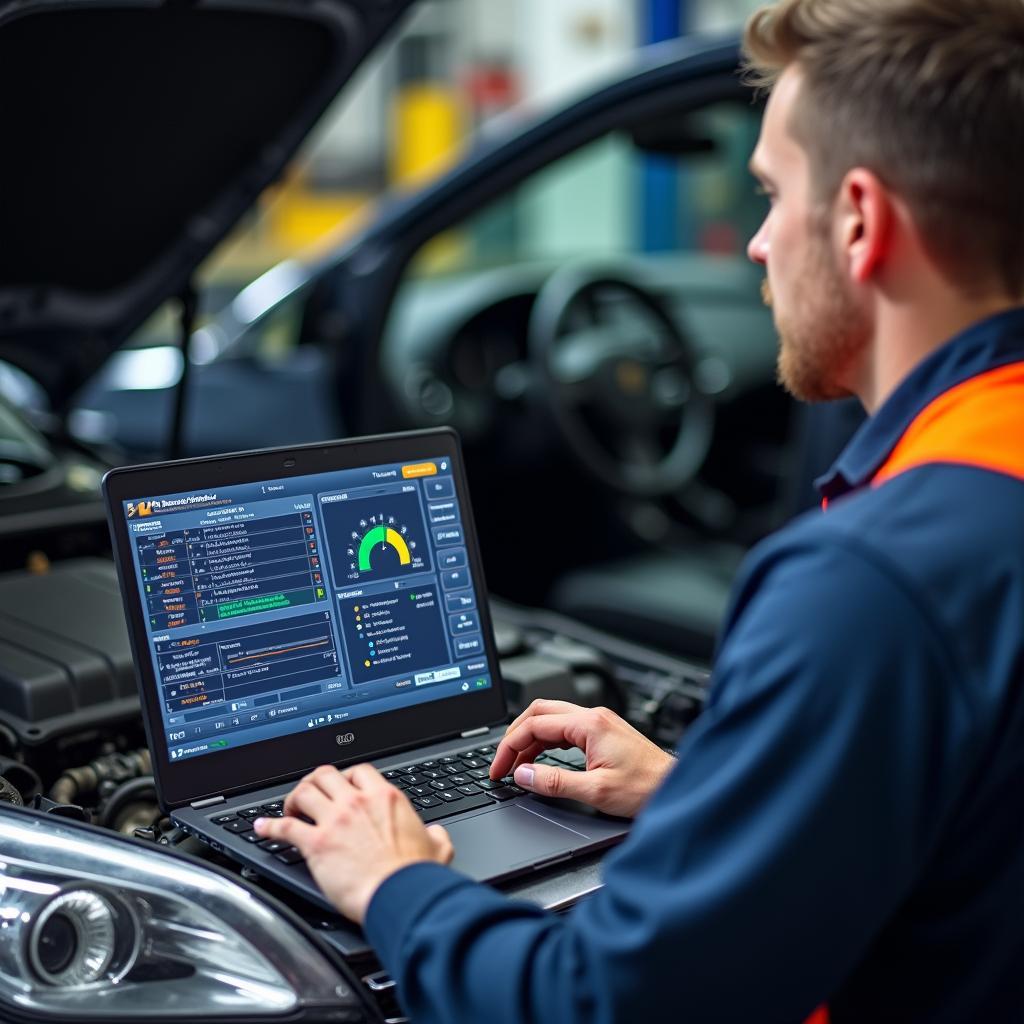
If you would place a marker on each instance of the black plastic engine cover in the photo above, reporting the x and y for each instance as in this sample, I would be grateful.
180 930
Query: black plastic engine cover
65 662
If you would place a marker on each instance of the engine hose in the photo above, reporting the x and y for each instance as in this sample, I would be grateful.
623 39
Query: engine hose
74 781
77 783
129 792
22 778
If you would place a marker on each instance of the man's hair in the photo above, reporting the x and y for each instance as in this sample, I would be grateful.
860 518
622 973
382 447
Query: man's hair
927 94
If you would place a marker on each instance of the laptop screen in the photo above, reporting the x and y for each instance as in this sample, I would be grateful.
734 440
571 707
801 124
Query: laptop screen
284 606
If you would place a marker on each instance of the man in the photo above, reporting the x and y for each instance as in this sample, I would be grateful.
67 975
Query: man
844 822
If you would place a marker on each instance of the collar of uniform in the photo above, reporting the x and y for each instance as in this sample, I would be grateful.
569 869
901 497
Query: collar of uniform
995 341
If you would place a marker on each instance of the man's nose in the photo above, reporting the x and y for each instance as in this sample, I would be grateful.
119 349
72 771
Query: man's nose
757 247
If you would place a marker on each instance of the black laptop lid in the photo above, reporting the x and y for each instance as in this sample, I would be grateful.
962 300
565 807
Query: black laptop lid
301 606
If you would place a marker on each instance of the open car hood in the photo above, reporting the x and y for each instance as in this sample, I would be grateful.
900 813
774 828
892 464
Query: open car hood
136 134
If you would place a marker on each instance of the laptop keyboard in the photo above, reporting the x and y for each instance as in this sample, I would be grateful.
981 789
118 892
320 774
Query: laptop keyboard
436 788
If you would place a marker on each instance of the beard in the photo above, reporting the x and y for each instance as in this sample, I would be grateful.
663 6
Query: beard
824 332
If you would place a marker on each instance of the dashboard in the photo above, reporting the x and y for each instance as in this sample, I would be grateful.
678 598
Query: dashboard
456 347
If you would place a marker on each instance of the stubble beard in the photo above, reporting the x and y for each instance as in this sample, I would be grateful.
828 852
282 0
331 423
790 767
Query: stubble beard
824 334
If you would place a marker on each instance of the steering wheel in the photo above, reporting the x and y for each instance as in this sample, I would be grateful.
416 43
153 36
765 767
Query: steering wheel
616 372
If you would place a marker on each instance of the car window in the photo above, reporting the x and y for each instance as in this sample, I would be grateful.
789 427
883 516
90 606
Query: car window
614 197
411 111
668 203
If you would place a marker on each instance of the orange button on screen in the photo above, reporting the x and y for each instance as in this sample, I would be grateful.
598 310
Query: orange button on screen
420 469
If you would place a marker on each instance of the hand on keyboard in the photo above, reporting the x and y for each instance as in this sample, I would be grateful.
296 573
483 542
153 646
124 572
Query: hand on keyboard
623 767
359 830
448 785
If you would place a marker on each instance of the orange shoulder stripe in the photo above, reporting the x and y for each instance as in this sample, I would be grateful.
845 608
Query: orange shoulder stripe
977 423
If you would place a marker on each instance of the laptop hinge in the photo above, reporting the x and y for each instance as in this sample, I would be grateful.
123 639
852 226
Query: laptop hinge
474 732
199 805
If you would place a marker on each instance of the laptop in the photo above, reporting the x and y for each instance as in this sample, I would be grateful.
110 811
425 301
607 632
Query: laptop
325 604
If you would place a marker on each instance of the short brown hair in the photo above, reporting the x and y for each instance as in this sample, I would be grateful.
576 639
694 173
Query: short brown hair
929 95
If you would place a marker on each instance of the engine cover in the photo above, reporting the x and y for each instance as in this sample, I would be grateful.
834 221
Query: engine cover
65 661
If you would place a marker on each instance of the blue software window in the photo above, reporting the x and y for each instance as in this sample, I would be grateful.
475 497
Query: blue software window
284 605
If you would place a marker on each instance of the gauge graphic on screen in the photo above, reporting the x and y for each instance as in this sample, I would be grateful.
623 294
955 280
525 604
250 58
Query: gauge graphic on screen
386 537
378 537
382 546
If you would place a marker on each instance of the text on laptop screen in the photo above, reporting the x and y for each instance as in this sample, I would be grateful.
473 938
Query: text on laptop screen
287 605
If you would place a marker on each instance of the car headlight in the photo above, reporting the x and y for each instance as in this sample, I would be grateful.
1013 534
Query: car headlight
96 926
77 938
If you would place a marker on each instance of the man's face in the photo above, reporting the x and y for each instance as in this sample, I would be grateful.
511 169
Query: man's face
823 329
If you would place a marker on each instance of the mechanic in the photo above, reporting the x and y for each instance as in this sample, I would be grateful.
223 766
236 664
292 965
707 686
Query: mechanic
843 823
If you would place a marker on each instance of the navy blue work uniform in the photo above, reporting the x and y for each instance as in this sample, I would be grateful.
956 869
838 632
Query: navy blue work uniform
845 823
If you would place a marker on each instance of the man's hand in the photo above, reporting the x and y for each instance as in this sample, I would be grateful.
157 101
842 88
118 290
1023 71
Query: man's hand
623 767
363 830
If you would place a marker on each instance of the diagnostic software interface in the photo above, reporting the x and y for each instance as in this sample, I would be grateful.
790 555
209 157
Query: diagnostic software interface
286 605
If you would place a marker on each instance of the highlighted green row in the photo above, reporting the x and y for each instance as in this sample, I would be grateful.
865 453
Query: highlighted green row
264 603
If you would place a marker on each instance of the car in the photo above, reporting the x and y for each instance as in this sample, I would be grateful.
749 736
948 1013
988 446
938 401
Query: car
625 438
624 373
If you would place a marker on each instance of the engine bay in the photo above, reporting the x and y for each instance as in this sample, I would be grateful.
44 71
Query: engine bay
71 735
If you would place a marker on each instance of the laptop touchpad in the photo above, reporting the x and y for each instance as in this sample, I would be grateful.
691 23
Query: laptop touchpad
506 838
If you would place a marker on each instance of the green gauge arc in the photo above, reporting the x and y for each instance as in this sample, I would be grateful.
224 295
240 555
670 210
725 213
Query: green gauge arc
382 535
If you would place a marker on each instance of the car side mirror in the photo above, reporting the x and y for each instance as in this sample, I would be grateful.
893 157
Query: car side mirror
671 136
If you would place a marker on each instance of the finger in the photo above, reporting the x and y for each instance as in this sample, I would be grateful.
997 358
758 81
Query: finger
376 795
366 777
507 758
326 780
443 848
399 820
531 755
542 706
547 780
525 757
546 731
287 830
306 798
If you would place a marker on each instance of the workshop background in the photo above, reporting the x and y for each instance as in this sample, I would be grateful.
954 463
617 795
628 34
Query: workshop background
449 73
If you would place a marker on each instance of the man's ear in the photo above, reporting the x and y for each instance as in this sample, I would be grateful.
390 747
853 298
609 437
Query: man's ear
865 215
